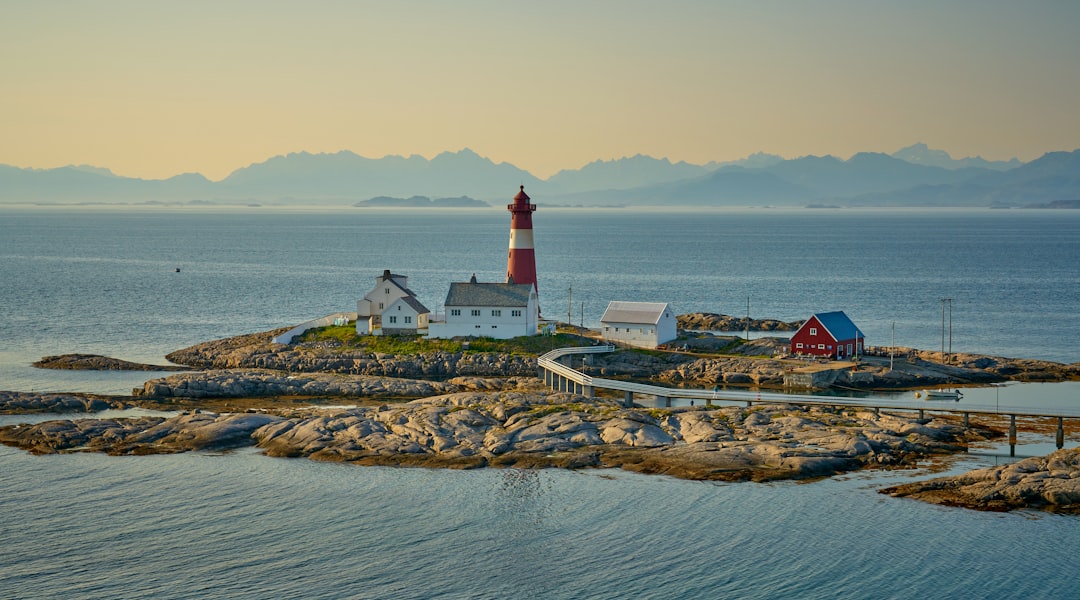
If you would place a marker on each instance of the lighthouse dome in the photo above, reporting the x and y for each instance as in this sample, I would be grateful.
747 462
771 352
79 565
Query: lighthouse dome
521 195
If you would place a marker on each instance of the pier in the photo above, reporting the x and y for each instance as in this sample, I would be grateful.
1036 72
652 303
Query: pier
565 378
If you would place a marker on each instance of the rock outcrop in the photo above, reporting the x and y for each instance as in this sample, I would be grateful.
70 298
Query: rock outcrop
706 372
473 429
718 322
96 362
257 352
241 383
30 402
146 435
1047 482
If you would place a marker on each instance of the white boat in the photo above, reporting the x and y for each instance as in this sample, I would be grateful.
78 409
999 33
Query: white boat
940 394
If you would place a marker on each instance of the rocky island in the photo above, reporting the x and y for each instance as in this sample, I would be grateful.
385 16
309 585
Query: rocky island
331 395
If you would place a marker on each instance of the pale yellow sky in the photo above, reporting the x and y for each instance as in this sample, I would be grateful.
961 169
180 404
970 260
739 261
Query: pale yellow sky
153 89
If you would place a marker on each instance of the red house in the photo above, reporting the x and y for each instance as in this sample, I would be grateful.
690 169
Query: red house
829 334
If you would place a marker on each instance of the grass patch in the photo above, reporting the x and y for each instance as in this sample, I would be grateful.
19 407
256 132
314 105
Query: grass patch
577 407
415 344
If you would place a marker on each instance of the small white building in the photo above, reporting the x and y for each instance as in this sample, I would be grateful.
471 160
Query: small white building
404 316
389 288
495 310
640 324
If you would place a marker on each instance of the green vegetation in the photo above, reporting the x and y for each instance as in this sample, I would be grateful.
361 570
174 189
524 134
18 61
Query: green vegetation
579 407
414 344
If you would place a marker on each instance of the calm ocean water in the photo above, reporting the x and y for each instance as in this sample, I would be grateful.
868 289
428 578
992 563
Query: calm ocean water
246 526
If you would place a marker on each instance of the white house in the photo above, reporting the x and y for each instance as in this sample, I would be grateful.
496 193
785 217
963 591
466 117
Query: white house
496 310
641 324
404 316
389 287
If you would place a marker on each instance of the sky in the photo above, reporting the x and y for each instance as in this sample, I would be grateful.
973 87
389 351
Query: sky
152 89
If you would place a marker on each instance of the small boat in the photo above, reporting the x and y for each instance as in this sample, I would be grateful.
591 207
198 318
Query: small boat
940 394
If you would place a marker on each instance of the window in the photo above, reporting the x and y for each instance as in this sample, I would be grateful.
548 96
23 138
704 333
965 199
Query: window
380 306
478 327
516 313
393 319
799 345
476 312
821 346
387 290
455 312
494 326
408 319
813 331
496 313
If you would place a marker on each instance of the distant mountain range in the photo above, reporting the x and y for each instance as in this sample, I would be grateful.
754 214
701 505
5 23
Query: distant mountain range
912 176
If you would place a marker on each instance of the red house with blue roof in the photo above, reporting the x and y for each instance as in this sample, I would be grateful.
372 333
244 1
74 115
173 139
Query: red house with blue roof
829 334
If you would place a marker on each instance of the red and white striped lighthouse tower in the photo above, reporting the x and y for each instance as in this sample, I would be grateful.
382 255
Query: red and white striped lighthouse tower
521 263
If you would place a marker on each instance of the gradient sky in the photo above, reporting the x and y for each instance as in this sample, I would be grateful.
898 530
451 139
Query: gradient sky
152 89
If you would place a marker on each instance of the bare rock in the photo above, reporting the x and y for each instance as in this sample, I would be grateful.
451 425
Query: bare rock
31 402
95 362
1048 483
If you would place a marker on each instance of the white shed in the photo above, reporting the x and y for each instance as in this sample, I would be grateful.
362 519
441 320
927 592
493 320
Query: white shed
641 324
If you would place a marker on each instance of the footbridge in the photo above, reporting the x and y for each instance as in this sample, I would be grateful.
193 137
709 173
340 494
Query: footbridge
557 371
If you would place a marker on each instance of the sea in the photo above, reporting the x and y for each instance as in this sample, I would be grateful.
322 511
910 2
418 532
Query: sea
136 282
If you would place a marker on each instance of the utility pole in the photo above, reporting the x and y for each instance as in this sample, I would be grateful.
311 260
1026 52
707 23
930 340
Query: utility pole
892 345
569 303
950 325
748 318
943 355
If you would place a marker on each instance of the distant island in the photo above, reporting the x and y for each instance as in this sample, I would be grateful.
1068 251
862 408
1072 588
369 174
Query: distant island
422 202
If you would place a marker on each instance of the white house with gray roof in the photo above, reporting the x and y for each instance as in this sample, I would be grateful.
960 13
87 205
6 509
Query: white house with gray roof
496 310
389 287
404 316
640 324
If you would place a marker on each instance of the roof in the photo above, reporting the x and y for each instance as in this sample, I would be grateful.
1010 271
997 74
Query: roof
393 278
522 195
413 303
489 294
839 325
634 312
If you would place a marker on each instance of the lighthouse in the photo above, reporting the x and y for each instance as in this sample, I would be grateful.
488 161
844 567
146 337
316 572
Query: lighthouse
521 262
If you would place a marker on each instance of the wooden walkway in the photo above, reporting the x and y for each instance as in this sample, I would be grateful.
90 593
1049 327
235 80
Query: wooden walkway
563 377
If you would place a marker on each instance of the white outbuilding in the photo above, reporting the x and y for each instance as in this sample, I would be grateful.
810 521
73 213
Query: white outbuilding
495 310
404 316
389 287
640 324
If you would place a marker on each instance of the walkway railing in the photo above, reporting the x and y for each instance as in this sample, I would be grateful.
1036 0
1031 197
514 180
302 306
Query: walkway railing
564 378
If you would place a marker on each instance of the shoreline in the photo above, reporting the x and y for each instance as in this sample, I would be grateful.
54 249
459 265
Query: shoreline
461 410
